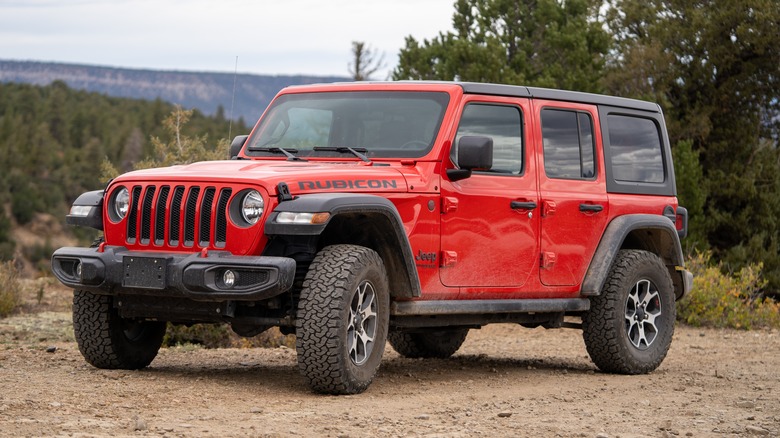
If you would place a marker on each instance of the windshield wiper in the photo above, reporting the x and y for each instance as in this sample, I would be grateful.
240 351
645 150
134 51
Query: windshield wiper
287 152
354 151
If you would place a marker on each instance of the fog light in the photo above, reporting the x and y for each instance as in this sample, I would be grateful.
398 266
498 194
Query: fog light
229 278
77 270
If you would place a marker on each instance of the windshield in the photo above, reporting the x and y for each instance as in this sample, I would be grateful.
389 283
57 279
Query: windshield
378 124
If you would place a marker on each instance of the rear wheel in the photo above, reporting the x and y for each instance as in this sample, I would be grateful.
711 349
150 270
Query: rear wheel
342 318
629 327
429 344
109 341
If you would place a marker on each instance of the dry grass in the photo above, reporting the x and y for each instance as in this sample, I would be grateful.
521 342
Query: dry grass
10 289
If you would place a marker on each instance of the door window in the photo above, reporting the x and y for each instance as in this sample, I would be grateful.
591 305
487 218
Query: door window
502 123
568 144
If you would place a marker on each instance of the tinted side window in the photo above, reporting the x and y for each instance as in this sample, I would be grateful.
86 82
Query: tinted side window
504 124
635 146
568 144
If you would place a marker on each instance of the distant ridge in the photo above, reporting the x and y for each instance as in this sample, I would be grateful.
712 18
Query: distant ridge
204 91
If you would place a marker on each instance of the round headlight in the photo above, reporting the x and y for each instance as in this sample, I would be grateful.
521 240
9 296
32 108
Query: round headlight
252 207
122 203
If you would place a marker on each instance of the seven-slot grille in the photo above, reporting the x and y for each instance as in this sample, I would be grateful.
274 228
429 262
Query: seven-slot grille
178 215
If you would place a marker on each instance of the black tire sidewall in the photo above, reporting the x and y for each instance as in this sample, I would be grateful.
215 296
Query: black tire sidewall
604 325
323 313
365 372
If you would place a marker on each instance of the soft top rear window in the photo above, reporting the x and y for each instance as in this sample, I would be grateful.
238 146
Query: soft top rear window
386 124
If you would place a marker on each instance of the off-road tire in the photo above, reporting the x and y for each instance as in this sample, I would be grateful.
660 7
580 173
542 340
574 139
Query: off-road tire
337 279
613 337
429 344
110 342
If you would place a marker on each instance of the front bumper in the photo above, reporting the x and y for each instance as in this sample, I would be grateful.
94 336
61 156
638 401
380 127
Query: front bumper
197 276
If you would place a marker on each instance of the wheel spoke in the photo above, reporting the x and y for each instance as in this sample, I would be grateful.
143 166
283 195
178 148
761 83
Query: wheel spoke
367 299
641 339
361 328
651 297
632 328
366 340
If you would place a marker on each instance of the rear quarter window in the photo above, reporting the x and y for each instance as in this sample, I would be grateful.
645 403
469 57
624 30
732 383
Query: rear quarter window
637 156
635 148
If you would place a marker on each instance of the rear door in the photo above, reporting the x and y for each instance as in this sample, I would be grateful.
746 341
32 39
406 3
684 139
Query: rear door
489 226
574 204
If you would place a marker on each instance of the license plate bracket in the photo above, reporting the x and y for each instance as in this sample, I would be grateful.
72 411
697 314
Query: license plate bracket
144 272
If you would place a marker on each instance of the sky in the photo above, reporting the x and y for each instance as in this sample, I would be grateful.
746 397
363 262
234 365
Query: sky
277 37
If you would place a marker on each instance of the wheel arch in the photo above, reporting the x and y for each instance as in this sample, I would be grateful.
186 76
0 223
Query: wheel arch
652 233
366 220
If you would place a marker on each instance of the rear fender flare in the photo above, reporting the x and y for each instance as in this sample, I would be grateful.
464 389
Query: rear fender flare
653 233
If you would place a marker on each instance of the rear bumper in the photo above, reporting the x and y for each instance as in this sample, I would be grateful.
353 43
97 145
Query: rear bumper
117 270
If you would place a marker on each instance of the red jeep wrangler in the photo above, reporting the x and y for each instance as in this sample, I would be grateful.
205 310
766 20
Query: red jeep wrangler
409 212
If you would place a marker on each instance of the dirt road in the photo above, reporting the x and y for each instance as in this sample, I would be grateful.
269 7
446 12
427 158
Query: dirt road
505 381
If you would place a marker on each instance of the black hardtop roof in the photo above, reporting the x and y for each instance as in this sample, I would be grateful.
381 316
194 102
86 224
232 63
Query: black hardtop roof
550 94
512 91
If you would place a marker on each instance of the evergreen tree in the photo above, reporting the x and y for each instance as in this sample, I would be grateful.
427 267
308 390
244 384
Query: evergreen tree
714 65
546 43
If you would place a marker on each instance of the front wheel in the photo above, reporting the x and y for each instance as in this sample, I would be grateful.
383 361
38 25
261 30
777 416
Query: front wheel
342 318
629 327
109 341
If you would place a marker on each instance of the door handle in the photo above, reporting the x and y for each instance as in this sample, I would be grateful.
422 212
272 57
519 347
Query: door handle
520 205
591 208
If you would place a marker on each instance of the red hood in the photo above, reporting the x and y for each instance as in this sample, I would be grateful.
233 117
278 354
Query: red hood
301 177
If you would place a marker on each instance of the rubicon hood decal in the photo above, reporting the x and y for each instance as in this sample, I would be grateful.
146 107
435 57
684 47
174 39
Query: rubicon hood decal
341 184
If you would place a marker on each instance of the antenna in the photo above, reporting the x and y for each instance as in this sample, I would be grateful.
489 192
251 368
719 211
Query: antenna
232 101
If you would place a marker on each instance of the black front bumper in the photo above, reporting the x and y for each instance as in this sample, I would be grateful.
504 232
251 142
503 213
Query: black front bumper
199 276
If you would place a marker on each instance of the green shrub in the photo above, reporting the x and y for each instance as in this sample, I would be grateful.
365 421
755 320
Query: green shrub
10 289
721 300
207 335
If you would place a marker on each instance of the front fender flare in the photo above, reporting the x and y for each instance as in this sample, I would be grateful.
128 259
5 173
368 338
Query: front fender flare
352 203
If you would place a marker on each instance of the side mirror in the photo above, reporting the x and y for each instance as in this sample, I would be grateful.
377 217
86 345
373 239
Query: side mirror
236 146
474 153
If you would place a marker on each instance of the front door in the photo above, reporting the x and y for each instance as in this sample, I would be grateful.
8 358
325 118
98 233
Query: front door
490 221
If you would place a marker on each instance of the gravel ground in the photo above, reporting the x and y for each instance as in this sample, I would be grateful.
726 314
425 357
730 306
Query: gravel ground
504 381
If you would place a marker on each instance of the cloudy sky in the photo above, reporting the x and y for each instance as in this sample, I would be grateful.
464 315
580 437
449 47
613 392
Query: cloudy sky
268 36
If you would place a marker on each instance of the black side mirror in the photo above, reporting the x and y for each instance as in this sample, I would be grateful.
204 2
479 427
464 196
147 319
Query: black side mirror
236 146
474 153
